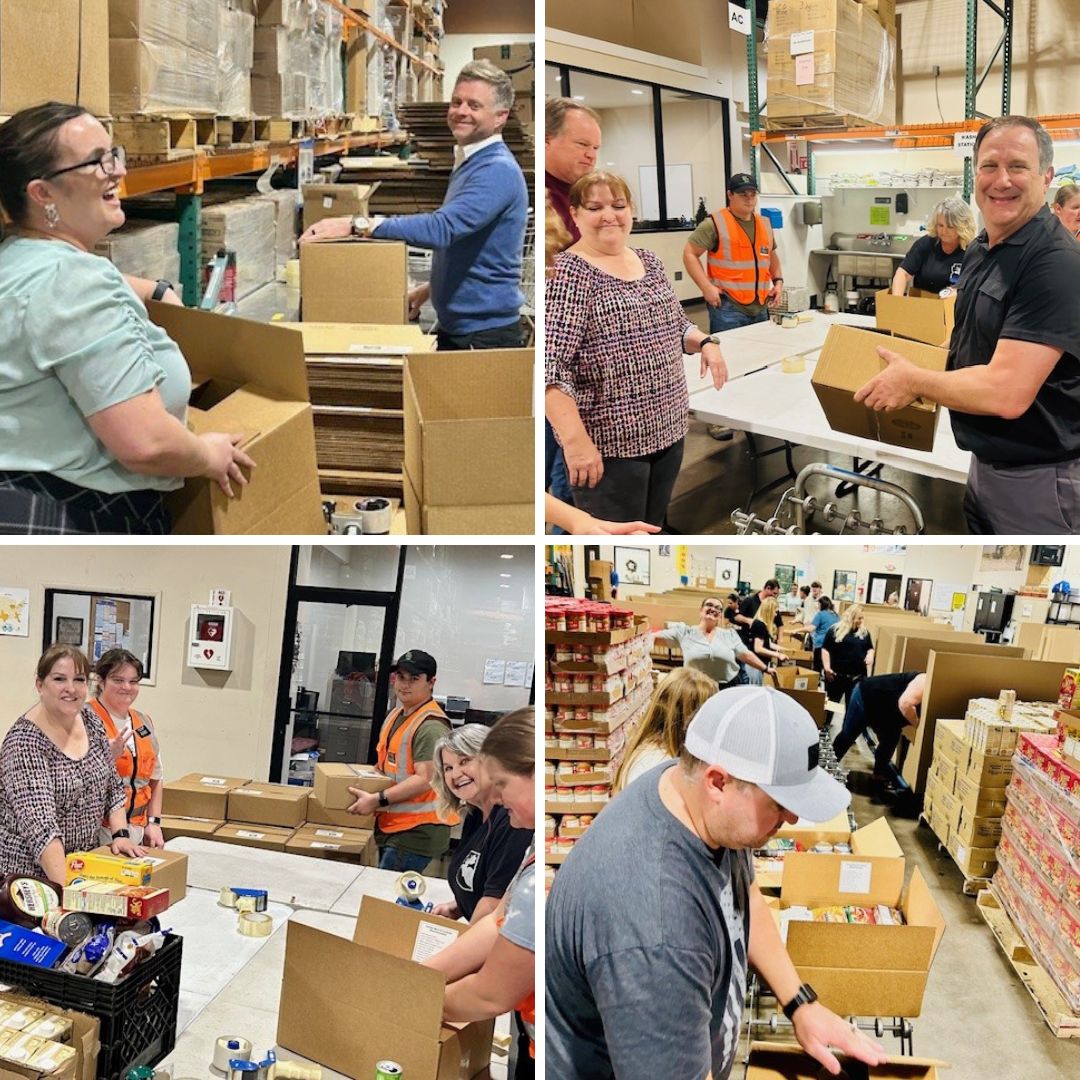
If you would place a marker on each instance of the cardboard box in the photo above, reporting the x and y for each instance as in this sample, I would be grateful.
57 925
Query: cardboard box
339 845
284 805
462 407
85 1036
335 200
199 795
354 281
172 827
54 50
796 678
848 361
249 377
862 970
813 701
332 783
979 802
949 741
103 865
973 862
782 1061
977 832
987 771
921 315
168 870
117 901
350 1030
319 814
258 836
507 57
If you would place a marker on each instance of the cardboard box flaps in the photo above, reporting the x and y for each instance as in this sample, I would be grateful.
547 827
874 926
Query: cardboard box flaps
920 315
351 1029
847 362
778 1061
336 200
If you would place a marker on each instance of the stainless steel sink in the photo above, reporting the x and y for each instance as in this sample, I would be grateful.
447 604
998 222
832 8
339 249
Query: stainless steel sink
886 243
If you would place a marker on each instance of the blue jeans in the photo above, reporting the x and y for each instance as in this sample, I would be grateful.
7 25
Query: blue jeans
856 723
728 317
392 858
558 483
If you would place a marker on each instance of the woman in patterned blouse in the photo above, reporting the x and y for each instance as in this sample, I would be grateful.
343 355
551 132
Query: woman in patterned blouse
57 778
616 334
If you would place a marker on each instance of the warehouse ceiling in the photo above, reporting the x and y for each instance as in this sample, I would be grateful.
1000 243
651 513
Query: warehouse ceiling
484 17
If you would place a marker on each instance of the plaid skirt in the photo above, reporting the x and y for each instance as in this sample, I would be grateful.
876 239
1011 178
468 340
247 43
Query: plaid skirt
40 504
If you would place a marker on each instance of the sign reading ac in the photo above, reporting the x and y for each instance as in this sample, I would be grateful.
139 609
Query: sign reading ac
739 19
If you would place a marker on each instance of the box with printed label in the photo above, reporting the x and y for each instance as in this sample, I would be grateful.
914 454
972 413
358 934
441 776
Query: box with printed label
333 780
199 795
862 970
119 901
339 845
949 741
336 200
351 1030
268 837
106 866
172 827
318 814
168 870
284 805
83 1036
24 947
987 771
796 678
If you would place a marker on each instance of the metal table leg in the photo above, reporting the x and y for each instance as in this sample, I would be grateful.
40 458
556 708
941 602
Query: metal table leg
756 455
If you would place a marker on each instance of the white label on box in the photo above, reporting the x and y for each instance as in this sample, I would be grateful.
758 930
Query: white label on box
250 835
328 847
216 781
379 350
802 42
329 832
961 853
431 939
804 70
855 876
152 861
253 791
328 202
802 684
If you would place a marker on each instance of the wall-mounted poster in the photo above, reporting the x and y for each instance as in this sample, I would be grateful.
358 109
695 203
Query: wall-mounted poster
14 612
727 573
632 566
844 584
98 621
785 574
1002 558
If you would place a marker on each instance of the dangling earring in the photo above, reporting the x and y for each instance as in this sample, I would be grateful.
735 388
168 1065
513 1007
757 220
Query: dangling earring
52 215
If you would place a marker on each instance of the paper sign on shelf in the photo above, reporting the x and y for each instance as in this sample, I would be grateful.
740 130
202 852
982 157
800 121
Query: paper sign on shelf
494 672
855 877
963 143
739 19
802 42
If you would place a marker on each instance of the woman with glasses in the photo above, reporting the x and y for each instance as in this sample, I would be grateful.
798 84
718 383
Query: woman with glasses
133 743
93 395
712 648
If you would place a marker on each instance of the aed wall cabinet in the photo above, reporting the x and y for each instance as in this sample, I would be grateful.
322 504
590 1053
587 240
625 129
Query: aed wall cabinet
210 640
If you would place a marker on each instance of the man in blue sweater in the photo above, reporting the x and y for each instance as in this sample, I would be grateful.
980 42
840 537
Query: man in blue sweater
478 233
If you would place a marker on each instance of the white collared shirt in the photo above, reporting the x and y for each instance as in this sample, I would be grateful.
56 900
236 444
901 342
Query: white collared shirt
463 153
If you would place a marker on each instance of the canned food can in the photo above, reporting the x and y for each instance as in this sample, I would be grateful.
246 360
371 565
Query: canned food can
388 1070
70 927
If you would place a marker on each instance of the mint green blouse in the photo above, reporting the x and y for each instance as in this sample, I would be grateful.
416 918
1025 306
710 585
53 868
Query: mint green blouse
74 340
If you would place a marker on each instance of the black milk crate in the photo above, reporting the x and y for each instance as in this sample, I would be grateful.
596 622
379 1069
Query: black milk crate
137 1014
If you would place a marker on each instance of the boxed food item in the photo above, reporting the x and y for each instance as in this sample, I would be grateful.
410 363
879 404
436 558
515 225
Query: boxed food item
332 783
105 866
284 805
21 945
168 869
920 315
81 1034
351 1030
1070 687
199 795
119 901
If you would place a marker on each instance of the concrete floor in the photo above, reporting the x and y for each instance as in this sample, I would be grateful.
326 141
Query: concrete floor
976 1013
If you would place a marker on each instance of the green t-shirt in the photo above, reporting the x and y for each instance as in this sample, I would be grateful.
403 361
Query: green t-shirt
705 236
431 840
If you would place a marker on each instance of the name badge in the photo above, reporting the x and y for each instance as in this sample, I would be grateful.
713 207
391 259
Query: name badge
765 250
143 731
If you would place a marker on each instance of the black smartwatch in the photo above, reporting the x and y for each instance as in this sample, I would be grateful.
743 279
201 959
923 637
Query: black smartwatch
153 821
160 289
804 996
383 800
121 834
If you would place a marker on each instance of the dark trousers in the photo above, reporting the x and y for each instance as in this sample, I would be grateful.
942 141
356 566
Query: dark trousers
856 723
840 686
1043 499
43 504
501 337
634 489
524 1067
817 660
558 483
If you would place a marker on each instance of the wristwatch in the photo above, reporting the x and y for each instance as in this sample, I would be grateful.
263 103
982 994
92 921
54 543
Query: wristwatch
153 821
803 996
358 230
121 834
383 800
160 289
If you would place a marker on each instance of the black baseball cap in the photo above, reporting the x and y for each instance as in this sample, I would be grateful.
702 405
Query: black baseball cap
741 181
416 662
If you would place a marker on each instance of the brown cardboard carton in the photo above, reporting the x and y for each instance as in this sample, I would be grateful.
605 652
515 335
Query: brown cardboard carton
921 315
248 378
85 1039
268 837
974 862
350 1030
318 814
54 50
199 795
977 832
354 281
335 200
813 701
362 339
796 678
333 780
979 802
782 1061
987 771
462 407
172 827
848 361
862 970
339 845
284 805
949 742
170 870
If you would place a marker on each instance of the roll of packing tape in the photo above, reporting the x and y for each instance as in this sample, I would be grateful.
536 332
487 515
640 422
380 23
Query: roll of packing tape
227 898
792 365
254 924
246 903
374 516
228 1048
294 1070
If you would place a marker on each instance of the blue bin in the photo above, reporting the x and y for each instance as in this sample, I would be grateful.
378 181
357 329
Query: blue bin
776 217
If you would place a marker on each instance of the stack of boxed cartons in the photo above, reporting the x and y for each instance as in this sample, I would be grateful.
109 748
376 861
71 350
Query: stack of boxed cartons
829 62
146 249
598 686
1038 876
247 227
236 58
970 769
519 62
163 56
297 65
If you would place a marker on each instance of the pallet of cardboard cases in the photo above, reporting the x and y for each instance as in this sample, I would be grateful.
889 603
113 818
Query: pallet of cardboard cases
164 136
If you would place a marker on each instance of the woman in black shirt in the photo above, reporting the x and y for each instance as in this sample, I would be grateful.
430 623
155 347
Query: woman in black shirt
846 655
489 852
934 260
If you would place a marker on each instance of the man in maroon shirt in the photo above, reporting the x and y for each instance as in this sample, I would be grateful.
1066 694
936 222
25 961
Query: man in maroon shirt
571 143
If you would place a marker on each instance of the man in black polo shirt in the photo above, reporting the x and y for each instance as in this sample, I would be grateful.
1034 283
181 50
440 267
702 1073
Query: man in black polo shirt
1013 379
748 610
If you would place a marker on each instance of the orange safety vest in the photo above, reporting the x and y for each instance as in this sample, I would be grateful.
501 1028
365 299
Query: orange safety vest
527 1005
737 266
396 761
135 769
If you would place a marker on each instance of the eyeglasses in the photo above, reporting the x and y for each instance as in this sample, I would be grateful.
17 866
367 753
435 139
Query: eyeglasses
110 162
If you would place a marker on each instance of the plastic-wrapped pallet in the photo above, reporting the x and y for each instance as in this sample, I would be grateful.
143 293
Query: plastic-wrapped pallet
147 249
247 227
236 58
285 223
294 14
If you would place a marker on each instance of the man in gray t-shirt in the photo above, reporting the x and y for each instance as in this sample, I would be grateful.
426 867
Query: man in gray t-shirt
654 917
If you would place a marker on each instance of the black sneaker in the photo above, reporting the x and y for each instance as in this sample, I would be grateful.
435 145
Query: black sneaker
721 433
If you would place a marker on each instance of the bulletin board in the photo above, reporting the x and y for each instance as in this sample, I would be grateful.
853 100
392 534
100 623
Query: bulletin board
98 621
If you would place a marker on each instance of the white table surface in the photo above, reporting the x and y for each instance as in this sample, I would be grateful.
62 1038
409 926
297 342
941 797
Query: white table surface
231 985
781 406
